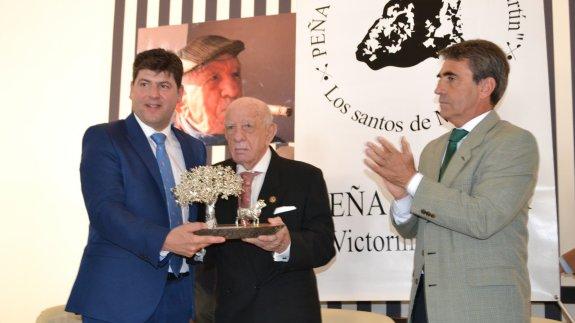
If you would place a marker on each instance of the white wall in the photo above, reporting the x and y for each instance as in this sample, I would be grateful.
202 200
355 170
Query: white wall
55 73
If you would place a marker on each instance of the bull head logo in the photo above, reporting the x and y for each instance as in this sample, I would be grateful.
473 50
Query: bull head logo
409 32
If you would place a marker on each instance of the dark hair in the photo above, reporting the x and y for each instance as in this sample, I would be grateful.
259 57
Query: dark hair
485 60
159 60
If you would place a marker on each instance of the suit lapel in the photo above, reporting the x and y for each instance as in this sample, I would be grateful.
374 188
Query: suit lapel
227 209
464 152
271 187
141 145
192 157
271 194
189 159
434 164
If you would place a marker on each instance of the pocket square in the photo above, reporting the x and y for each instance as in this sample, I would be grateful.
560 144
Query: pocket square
283 209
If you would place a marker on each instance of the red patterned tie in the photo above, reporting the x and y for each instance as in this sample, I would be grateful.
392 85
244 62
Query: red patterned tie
246 195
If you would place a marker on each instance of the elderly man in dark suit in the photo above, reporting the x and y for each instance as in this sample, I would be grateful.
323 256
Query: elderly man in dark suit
133 268
467 203
270 278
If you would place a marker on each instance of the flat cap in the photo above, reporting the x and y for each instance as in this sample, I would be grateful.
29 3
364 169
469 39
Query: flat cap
203 49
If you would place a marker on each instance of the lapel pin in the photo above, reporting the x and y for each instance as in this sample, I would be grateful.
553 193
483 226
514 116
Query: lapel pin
272 199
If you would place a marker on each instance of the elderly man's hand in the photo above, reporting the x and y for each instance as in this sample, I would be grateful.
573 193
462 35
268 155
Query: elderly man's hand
277 242
394 166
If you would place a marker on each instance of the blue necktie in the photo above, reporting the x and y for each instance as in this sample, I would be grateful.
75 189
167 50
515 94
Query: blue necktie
174 209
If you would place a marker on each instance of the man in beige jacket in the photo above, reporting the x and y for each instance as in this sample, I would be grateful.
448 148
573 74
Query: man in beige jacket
467 202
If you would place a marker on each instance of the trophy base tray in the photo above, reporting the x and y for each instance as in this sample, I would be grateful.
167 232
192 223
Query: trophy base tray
231 231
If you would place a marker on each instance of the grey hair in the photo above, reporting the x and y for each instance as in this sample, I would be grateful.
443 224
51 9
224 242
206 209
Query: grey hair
486 59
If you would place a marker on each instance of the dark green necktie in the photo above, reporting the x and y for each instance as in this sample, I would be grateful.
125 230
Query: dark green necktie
454 138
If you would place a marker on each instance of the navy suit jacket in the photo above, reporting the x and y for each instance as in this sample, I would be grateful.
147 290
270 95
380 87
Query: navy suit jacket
121 278
251 287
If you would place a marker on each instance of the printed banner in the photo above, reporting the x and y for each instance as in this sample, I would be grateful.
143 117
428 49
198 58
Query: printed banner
353 85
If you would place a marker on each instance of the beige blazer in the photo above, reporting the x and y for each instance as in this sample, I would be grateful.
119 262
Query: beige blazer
471 228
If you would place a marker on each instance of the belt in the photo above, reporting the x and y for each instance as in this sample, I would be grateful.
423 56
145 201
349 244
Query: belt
172 276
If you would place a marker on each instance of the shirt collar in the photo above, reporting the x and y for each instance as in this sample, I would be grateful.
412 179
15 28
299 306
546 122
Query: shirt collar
471 124
149 131
261 166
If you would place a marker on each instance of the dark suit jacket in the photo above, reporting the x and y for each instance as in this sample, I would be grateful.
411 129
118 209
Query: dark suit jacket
251 287
121 278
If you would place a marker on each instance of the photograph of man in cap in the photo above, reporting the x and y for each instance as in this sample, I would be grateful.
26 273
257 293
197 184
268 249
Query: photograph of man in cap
212 79
227 59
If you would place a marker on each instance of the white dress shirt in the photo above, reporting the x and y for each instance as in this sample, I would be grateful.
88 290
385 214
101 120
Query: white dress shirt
257 183
178 164
401 209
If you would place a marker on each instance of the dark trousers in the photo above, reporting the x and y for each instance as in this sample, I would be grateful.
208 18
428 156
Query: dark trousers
173 306
205 296
419 311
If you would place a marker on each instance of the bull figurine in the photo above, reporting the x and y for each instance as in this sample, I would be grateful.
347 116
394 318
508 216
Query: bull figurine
247 216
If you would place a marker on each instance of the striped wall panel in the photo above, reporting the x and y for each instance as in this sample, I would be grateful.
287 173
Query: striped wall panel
129 15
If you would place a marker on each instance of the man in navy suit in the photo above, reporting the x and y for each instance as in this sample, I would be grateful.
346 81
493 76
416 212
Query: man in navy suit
127 272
